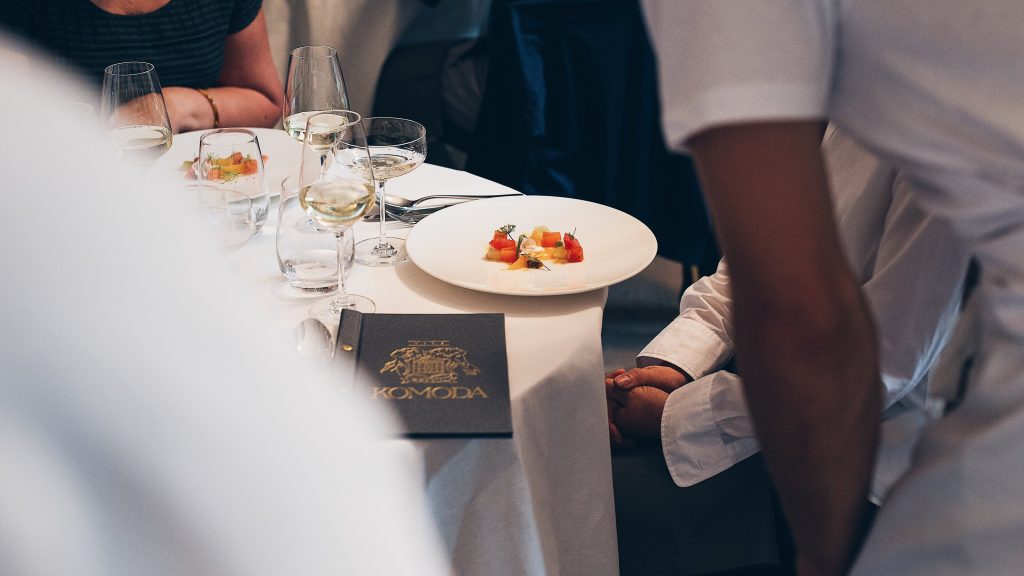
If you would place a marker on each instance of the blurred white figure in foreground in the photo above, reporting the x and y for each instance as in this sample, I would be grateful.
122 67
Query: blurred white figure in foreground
146 424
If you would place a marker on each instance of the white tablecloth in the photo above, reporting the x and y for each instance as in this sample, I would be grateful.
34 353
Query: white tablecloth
541 502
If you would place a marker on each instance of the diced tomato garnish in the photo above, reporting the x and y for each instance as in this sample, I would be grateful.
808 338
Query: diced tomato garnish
213 174
509 255
249 167
504 242
236 158
550 239
573 249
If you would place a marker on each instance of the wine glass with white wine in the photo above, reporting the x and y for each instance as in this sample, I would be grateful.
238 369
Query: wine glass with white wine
314 84
335 196
133 112
397 147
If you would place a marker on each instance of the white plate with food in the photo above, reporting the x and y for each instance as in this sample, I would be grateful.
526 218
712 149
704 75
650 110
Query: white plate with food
282 154
595 246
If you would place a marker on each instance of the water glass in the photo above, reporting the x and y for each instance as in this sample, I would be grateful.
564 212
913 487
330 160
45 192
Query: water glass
306 253
232 183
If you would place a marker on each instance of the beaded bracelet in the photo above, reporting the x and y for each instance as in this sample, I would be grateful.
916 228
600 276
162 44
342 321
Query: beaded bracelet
213 106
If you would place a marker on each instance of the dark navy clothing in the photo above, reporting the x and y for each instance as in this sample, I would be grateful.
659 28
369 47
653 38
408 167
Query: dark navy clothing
184 39
570 108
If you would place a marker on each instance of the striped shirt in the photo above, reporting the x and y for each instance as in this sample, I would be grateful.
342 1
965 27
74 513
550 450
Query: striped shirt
184 39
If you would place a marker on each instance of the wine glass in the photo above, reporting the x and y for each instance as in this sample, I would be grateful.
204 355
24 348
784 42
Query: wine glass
397 147
233 187
314 84
335 196
320 132
133 112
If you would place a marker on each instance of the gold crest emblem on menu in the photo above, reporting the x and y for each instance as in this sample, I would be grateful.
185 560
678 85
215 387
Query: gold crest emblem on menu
429 362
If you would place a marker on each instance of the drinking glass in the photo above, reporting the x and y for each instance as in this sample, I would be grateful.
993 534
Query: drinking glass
232 183
397 147
337 196
314 84
306 253
133 112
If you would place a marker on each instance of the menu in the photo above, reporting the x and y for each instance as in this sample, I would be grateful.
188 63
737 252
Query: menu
444 374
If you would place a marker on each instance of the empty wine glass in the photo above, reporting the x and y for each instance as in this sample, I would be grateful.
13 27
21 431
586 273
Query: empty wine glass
133 112
397 147
232 183
337 196
314 84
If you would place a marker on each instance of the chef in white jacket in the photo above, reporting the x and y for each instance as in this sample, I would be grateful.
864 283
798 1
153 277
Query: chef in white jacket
934 89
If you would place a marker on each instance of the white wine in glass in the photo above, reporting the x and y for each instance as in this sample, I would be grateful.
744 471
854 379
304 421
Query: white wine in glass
336 204
140 144
335 199
314 84
295 125
133 112
388 162
396 147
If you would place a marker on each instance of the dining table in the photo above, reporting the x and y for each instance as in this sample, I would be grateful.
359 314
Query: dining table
539 503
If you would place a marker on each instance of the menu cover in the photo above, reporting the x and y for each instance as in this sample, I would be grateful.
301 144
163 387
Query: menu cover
444 374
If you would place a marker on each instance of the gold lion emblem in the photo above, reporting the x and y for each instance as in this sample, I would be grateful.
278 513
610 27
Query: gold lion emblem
429 362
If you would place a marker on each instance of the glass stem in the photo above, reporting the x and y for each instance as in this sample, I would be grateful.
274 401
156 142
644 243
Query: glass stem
341 298
383 241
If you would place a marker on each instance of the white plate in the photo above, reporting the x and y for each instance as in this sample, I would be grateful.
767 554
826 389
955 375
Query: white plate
284 154
450 245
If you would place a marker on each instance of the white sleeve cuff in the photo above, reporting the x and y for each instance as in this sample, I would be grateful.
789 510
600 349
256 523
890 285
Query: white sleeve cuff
688 345
694 445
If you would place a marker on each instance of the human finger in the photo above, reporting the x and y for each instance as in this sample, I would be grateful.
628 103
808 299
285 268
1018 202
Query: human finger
613 392
661 377
615 373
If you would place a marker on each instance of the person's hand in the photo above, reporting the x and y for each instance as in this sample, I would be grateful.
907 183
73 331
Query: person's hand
635 407
614 398
639 417
664 378
187 109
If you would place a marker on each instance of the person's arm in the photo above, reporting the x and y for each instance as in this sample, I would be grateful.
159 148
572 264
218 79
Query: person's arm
803 334
699 340
249 90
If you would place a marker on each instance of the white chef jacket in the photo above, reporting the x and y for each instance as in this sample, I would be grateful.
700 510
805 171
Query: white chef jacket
149 422
934 88
911 270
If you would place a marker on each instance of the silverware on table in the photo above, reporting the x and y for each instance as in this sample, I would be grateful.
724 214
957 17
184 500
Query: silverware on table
410 213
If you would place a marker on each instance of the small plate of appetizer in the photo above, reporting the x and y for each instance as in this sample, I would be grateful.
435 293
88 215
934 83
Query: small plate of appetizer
531 245
281 155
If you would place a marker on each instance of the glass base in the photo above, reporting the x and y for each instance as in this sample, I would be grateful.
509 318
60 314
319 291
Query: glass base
370 253
328 310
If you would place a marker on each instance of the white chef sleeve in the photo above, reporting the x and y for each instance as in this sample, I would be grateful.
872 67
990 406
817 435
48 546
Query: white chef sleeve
730 61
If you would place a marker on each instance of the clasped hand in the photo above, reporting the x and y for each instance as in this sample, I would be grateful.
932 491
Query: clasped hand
636 400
